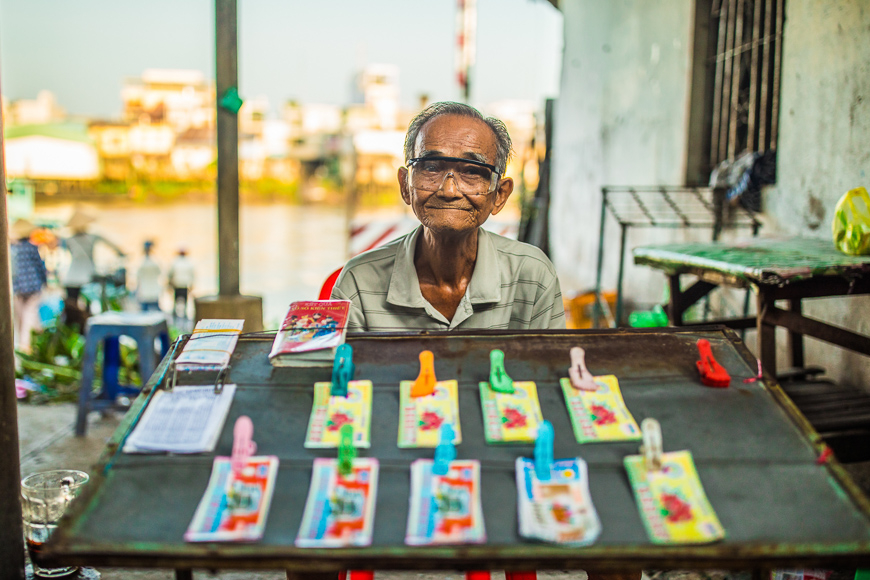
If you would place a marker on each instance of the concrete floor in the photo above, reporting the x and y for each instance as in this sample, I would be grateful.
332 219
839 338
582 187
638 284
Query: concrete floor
46 442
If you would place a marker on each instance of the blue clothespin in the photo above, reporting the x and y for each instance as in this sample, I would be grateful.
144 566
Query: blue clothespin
499 381
445 452
342 370
544 451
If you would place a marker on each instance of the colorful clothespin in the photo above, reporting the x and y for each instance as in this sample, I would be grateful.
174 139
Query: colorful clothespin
243 443
425 383
580 376
544 451
712 373
499 381
346 450
651 449
342 370
445 451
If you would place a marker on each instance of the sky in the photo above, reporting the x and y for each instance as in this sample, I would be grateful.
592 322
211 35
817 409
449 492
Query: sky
308 51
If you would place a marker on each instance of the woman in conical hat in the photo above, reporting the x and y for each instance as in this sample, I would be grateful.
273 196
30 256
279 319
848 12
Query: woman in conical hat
21 229
28 279
81 269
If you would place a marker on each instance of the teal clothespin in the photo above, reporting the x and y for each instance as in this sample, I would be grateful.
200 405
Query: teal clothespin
231 101
346 450
544 451
342 370
499 381
445 451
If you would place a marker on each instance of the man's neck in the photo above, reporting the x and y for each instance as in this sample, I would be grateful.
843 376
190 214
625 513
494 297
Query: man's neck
444 259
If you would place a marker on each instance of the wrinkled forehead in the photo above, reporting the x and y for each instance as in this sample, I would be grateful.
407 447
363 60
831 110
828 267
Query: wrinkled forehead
456 136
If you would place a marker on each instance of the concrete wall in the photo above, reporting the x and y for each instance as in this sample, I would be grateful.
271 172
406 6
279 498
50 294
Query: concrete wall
824 149
620 120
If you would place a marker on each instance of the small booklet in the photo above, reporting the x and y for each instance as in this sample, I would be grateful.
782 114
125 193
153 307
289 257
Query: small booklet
235 505
445 509
183 420
673 505
600 415
310 333
210 346
329 413
422 417
340 511
511 418
559 510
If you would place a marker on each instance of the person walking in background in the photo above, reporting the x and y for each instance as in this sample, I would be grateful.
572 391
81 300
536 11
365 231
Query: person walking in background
28 279
81 269
148 280
181 280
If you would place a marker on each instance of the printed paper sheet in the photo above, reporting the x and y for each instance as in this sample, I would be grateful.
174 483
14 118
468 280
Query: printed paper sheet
329 413
422 417
600 415
445 509
511 418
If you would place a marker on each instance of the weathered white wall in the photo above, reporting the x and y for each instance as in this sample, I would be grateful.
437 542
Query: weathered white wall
824 149
620 120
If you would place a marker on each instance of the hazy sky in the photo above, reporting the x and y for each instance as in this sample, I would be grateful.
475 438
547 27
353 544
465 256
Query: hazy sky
288 49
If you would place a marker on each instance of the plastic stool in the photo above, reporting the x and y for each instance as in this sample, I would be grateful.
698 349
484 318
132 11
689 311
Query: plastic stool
107 327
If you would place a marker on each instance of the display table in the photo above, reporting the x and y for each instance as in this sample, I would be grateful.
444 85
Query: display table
756 456
775 269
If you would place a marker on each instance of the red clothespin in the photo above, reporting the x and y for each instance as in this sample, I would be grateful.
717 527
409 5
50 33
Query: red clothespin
243 443
712 373
425 383
580 376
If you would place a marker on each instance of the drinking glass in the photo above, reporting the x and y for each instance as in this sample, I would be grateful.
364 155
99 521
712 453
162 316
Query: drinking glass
44 498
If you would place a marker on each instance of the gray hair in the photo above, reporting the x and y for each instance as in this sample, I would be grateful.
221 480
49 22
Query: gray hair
502 138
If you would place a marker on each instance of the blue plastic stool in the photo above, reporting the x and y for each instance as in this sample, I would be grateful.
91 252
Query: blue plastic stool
108 327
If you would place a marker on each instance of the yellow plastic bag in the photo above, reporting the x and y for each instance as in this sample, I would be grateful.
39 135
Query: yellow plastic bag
851 225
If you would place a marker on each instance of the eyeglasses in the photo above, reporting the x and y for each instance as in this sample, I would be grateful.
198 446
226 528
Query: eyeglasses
472 177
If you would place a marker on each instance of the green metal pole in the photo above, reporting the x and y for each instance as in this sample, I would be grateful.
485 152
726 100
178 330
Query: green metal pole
11 528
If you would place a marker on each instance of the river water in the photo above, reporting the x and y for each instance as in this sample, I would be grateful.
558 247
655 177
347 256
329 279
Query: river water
286 251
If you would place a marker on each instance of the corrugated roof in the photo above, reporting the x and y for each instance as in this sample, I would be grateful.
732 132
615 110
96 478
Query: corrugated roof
69 131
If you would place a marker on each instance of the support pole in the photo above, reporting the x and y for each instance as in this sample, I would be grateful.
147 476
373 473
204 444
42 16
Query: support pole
11 528
227 78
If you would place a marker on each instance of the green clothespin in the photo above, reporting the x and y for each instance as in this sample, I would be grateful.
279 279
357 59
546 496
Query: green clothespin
346 450
499 381
231 101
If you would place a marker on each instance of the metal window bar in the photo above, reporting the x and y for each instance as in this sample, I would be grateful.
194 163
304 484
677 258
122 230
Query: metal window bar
746 80
675 207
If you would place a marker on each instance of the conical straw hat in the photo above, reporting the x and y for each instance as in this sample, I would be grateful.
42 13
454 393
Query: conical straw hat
22 228
80 219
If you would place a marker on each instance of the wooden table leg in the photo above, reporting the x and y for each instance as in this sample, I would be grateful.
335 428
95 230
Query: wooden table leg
183 574
796 339
676 310
766 333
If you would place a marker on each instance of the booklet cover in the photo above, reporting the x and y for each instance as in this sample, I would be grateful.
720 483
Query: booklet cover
340 511
234 506
445 509
422 417
600 415
310 333
183 420
329 413
511 418
559 510
210 345
673 505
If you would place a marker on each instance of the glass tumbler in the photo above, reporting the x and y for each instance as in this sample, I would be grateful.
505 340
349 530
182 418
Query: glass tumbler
44 498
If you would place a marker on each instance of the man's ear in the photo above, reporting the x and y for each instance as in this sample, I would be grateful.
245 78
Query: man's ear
502 193
402 175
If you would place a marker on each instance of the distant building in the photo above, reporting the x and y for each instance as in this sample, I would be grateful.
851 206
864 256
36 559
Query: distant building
112 140
42 110
56 152
182 99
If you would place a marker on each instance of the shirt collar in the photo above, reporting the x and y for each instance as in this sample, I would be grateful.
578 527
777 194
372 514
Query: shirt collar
484 287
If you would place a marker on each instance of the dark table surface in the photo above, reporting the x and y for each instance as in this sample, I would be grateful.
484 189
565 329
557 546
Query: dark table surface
755 454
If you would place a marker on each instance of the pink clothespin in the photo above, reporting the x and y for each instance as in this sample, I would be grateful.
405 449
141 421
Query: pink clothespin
243 443
580 376
755 378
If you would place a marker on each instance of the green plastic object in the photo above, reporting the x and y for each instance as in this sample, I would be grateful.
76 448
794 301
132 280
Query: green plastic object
862 574
851 225
499 380
654 318
231 101
346 450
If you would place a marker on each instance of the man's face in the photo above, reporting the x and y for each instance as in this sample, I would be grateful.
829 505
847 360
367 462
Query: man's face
448 210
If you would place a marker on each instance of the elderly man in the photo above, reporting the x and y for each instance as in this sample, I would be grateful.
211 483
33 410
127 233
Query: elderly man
450 273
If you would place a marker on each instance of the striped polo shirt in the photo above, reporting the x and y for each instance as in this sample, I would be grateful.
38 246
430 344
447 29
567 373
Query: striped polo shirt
514 286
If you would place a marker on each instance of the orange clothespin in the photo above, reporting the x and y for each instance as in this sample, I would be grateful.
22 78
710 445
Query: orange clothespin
425 383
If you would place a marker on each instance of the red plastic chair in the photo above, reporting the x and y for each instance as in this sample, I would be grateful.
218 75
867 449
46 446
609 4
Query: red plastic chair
326 291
